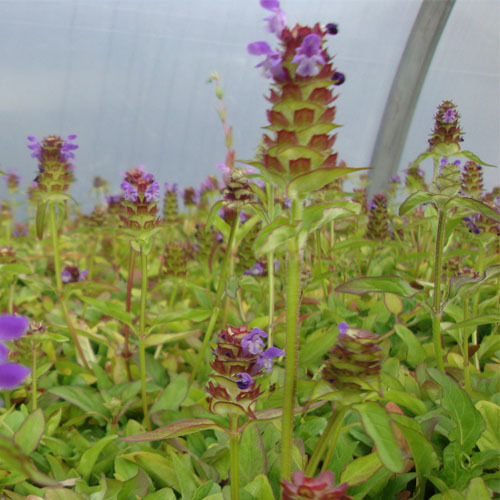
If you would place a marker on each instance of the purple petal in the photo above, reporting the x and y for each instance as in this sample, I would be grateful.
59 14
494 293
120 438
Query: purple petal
272 352
12 327
12 374
244 381
4 353
270 4
343 326
259 48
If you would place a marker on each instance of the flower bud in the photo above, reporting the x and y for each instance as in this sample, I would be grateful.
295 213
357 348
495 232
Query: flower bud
378 227
447 135
472 180
448 181
237 191
170 204
309 488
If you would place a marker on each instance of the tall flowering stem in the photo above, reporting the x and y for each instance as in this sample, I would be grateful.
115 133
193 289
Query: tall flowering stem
234 445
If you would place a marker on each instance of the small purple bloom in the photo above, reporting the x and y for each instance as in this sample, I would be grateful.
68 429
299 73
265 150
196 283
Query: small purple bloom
343 326
308 56
471 225
332 28
170 188
68 147
36 147
272 65
66 276
265 359
84 275
287 203
12 327
395 179
277 22
152 193
129 192
276 266
244 381
252 342
449 115
256 270
338 78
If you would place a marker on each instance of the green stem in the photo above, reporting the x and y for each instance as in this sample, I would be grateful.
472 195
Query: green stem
337 427
234 443
57 267
329 436
91 259
475 306
436 313
218 299
34 390
270 307
173 294
291 346
128 306
142 335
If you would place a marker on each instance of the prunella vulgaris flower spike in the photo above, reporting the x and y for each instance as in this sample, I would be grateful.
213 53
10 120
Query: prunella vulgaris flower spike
139 203
472 180
12 179
447 134
171 204
449 179
378 227
240 360
308 488
354 363
301 117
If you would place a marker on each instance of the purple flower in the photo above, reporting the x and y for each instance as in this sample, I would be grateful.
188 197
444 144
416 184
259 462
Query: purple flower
66 275
12 327
258 182
84 275
171 188
338 78
471 225
272 65
265 359
276 266
275 23
113 200
256 270
11 374
395 179
343 326
308 56
152 193
129 192
252 342
449 115
244 381
68 147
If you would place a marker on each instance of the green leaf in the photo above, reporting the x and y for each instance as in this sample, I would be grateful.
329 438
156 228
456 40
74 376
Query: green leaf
175 429
490 439
416 353
173 395
157 467
62 494
477 490
479 207
316 216
184 473
17 268
361 469
163 494
423 453
214 211
260 488
471 156
113 309
469 424
380 284
168 338
135 487
208 490
253 458
274 236
87 399
304 184
468 285
377 424
401 398
485 319
29 434
90 456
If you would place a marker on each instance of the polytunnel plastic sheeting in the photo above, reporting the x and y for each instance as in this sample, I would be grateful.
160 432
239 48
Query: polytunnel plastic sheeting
129 77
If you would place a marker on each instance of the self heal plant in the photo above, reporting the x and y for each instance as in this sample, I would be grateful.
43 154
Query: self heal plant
297 155
240 359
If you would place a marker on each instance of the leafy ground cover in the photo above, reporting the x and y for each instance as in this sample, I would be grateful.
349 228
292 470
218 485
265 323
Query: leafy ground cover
280 337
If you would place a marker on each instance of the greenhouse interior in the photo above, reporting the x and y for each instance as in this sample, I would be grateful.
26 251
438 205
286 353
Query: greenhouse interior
250 249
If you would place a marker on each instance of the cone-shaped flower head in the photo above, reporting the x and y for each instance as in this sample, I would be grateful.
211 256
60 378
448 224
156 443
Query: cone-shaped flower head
175 258
355 361
449 179
55 170
301 115
71 274
472 180
191 196
237 191
11 374
12 180
447 135
378 227
7 255
415 179
171 204
140 196
240 359
319 488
